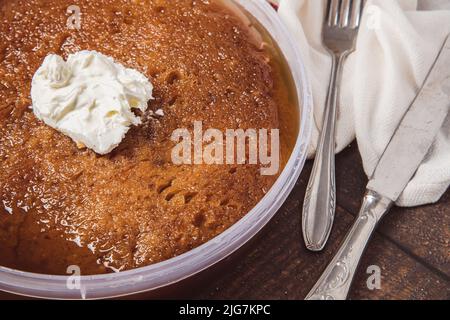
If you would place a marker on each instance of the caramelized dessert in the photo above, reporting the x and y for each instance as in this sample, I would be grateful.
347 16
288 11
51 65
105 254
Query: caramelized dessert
61 204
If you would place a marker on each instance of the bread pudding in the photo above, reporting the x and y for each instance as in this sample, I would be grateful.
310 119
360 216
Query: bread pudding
63 205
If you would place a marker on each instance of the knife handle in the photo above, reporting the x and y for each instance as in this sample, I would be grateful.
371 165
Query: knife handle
335 282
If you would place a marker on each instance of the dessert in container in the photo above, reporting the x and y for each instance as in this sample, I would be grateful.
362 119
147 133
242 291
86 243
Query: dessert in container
174 270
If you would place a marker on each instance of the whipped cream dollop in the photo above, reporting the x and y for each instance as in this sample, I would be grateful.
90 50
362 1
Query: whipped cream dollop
89 98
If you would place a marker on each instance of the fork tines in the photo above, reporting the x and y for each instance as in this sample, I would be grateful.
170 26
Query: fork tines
344 13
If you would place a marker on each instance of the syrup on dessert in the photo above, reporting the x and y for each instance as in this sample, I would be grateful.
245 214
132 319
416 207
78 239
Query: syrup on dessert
62 206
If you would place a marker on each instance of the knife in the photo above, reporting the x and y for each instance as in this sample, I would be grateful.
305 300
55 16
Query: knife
405 152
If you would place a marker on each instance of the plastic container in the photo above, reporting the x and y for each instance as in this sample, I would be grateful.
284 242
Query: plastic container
184 266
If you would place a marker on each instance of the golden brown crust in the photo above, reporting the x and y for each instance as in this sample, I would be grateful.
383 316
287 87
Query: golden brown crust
132 207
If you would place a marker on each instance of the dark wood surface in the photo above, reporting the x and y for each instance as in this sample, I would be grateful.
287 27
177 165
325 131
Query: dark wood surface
411 247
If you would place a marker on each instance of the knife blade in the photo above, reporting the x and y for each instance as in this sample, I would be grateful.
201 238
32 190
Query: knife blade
415 135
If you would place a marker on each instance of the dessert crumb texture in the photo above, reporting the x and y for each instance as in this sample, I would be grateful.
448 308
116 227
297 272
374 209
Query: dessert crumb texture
61 204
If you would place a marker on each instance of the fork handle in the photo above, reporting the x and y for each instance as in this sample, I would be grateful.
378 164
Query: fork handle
320 199
335 282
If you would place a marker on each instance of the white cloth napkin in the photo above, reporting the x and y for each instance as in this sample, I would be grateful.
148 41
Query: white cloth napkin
397 45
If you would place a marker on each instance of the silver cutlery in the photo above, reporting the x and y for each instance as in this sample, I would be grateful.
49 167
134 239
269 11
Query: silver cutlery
340 30
398 164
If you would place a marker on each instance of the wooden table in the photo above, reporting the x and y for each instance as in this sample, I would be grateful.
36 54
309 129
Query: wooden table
411 247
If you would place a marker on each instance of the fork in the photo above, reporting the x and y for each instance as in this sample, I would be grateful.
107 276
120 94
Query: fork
339 34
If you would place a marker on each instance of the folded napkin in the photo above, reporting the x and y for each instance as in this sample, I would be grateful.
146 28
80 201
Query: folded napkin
397 45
